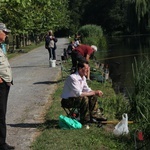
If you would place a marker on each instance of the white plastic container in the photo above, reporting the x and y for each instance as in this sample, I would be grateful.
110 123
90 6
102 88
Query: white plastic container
52 63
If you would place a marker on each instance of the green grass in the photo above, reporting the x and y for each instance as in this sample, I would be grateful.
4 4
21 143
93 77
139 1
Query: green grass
52 137
25 50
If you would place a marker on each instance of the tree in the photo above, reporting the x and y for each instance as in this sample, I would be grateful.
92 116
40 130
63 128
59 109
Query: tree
34 17
140 10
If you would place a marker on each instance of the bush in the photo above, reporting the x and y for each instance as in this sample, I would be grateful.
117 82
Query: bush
92 35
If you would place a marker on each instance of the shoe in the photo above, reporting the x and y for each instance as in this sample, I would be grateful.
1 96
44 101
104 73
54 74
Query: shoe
10 146
93 120
101 119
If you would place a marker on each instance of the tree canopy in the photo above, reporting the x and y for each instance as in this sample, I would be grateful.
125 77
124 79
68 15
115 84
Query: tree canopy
34 15
38 16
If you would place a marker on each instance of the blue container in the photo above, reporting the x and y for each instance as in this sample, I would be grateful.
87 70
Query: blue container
4 48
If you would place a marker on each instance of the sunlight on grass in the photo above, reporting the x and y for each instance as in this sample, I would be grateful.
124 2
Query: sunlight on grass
52 137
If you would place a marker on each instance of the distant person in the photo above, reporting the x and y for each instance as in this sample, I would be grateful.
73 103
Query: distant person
70 48
50 45
77 40
82 53
5 83
76 92
64 55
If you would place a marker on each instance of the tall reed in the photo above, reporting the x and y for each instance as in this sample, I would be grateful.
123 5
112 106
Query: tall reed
140 98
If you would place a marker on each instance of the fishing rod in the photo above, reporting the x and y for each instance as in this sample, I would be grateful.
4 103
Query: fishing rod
123 56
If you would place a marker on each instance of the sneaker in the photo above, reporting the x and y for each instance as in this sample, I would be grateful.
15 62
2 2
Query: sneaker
101 119
93 120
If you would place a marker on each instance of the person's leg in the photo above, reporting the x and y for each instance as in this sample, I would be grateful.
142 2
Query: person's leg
88 75
79 102
54 53
49 52
74 59
95 111
84 110
93 106
4 90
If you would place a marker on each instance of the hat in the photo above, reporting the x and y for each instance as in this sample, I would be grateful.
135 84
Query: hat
3 27
94 47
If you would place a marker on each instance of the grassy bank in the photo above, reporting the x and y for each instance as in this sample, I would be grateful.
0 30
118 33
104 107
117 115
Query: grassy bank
52 137
23 50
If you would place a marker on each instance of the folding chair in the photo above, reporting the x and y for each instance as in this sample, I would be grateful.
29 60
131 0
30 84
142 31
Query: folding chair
72 112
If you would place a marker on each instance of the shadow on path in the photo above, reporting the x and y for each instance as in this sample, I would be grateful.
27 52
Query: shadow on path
47 125
48 82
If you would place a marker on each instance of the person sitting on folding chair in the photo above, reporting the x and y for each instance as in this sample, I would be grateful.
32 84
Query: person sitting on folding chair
77 93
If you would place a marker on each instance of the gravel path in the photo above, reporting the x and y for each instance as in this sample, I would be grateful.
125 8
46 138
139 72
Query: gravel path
34 82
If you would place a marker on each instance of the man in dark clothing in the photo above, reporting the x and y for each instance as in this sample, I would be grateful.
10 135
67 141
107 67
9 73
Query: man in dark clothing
5 83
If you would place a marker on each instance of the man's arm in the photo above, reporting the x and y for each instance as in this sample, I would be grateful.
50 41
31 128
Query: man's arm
87 57
92 93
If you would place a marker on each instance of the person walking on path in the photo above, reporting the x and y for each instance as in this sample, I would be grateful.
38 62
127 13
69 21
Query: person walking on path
50 45
5 83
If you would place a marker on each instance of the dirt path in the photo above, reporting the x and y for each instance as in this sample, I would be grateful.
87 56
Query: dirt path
34 82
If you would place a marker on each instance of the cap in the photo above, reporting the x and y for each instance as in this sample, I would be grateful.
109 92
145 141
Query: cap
3 27
94 47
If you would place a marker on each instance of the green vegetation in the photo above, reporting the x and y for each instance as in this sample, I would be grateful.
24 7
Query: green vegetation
35 17
52 137
93 35
140 98
23 50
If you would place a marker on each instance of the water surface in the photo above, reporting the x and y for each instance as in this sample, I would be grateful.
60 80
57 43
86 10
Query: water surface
121 56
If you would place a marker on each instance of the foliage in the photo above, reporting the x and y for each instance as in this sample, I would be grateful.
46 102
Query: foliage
92 35
31 19
38 16
130 16
29 16
140 98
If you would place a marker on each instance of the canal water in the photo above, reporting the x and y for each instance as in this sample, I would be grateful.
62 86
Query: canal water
121 55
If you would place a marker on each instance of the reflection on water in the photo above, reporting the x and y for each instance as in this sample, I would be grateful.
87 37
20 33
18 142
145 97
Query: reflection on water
121 55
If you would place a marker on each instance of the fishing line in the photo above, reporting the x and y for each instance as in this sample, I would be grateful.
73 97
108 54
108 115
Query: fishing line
123 56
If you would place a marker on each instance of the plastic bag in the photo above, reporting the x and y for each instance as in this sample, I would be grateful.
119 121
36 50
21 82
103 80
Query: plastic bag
68 123
122 127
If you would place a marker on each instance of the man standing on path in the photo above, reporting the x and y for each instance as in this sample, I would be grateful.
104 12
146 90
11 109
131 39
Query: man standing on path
5 83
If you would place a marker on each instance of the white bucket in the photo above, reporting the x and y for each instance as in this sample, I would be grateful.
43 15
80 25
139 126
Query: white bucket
52 63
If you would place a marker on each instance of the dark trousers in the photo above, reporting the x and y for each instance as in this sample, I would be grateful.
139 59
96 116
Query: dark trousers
75 56
50 53
88 106
54 53
4 91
